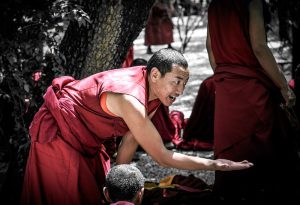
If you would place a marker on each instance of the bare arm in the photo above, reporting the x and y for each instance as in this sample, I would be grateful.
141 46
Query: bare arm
263 52
144 132
128 147
211 57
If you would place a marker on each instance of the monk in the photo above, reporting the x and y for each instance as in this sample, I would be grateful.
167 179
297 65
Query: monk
249 121
159 27
67 161
124 185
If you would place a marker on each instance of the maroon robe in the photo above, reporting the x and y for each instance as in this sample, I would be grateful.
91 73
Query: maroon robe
170 126
159 28
249 123
67 162
129 58
199 130
163 124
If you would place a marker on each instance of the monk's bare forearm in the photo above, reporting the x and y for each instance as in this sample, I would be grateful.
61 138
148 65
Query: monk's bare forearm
181 161
126 149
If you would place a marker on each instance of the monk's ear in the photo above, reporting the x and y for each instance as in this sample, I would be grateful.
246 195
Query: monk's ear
155 74
106 194
139 197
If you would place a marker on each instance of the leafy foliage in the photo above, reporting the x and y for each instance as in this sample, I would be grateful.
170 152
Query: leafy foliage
29 60
190 15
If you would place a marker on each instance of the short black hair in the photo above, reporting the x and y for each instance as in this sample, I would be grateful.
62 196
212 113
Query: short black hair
123 182
164 59
138 61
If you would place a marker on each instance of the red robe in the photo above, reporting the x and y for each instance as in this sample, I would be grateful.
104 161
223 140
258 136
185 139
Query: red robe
163 124
249 123
67 162
159 28
199 130
129 58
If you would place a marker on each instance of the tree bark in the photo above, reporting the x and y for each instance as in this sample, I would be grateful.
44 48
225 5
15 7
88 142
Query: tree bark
103 44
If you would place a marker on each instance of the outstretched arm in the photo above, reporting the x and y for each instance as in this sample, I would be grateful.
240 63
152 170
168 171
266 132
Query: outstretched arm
144 132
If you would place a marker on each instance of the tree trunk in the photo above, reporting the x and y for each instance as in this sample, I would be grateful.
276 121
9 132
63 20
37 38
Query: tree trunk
103 44
296 69
295 50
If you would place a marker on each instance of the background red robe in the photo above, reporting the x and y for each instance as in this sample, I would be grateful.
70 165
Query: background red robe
159 28
199 129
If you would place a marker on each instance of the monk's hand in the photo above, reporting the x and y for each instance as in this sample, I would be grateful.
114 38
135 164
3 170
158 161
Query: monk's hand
289 96
228 165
